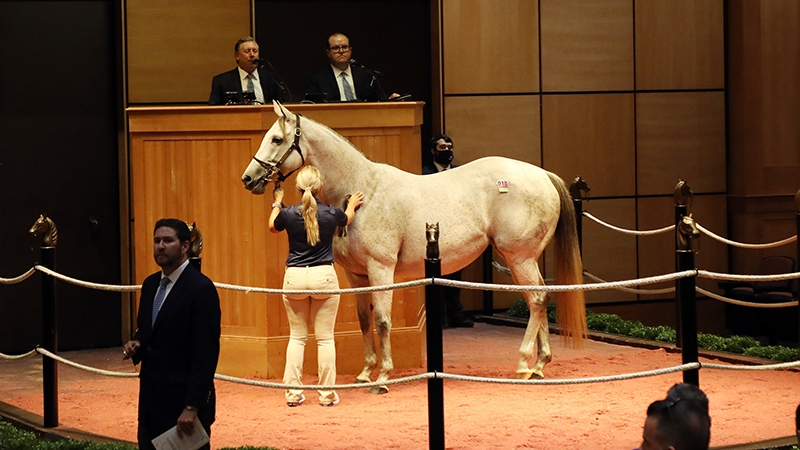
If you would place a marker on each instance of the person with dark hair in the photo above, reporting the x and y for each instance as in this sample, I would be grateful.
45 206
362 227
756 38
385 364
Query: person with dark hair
688 391
677 424
310 226
441 149
343 81
177 340
247 76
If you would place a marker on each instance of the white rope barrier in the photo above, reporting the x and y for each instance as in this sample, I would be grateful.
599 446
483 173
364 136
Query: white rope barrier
626 231
567 287
501 268
17 357
107 373
402 380
86 284
604 379
265 384
779 366
387 287
744 303
18 279
632 291
731 277
446 376
699 227
743 245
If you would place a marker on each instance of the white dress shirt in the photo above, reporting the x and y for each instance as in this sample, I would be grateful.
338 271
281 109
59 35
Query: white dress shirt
338 74
256 84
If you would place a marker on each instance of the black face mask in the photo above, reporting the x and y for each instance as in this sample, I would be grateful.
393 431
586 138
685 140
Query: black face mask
443 157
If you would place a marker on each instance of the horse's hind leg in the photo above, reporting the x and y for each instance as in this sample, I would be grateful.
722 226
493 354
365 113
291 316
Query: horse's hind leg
537 337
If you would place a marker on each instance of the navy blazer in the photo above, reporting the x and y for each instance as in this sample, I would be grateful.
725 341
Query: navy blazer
324 81
230 82
179 353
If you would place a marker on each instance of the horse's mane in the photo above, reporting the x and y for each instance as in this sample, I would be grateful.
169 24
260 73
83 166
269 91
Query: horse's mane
338 137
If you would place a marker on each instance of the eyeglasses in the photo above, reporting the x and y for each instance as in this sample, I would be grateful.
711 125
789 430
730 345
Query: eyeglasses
340 48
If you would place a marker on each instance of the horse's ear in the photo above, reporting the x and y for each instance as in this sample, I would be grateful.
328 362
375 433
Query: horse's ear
287 115
276 106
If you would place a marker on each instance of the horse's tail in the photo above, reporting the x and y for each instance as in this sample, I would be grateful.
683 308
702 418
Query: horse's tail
571 306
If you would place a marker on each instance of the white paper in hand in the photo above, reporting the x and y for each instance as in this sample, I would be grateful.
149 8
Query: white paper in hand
170 440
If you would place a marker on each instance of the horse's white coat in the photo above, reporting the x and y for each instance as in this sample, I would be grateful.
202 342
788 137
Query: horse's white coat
387 236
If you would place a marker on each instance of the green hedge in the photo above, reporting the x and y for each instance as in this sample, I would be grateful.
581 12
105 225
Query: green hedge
612 323
12 438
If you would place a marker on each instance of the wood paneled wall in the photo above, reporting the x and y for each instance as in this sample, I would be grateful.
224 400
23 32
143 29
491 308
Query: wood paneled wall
764 154
172 52
628 94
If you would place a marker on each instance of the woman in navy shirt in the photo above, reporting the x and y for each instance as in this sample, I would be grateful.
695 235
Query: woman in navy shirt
310 226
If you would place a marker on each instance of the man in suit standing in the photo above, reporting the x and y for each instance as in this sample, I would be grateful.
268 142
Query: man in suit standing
247 76
343 81
441 148
177 340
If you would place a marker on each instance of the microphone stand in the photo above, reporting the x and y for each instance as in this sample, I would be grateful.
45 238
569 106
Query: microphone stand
281 85
375 74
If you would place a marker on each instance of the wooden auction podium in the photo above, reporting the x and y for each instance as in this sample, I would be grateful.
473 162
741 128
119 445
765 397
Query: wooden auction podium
187 162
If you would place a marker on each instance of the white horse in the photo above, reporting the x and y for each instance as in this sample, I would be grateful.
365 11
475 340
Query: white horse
387 236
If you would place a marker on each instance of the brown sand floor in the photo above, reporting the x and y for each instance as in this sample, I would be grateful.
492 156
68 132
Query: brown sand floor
745 406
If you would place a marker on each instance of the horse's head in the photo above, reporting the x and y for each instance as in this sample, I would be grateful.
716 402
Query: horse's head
687 231
197 241
45 226
279 153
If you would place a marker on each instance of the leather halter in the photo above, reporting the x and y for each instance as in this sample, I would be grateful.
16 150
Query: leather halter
273 166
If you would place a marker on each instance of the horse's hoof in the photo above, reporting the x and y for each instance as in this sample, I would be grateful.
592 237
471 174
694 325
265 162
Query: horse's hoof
360 380
379 390
524 375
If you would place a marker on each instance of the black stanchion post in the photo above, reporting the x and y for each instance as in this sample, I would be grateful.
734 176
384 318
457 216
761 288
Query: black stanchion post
685 293
49 339
682 196
47 228
488 295
433 299
575 189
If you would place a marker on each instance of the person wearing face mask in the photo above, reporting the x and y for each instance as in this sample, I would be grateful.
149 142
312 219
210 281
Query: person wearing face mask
441 148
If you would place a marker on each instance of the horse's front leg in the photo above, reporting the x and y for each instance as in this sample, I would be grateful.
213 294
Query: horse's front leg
380 274
364 308
383 323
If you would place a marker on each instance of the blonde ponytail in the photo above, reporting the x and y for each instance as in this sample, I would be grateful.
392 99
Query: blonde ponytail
309 183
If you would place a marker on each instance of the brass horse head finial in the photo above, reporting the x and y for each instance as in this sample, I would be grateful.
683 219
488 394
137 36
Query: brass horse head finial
578 185
687 230
197 241
46 227
432 235
683 193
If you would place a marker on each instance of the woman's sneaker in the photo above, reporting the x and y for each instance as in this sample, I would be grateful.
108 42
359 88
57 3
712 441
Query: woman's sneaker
297 403
334 402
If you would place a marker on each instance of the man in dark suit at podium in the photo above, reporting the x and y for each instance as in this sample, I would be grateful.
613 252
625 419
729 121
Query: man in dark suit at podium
247 76
343 81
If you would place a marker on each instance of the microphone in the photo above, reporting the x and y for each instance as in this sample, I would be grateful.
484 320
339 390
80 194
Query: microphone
281 85
372 71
